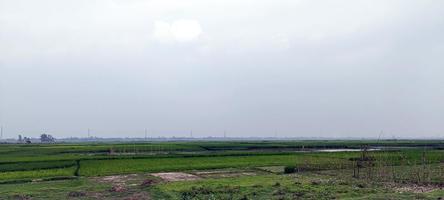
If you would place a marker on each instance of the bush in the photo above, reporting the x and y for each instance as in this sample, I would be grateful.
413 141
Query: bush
76 194
76 173
289 169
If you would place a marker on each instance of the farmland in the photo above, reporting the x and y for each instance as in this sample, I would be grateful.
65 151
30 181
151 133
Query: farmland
398 169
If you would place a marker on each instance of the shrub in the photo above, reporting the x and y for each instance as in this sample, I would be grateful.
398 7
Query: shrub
76 194
76 173
289 169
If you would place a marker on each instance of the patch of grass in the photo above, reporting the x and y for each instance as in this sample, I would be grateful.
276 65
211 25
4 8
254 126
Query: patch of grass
51 190
36 174
29 166
106 167
259 187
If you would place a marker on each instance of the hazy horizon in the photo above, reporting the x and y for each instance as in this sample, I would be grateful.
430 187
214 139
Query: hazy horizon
297 68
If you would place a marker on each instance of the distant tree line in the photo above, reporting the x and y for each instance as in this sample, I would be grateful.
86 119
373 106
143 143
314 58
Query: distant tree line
26 140
44 138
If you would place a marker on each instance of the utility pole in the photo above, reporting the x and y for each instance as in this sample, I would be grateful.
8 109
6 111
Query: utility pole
1 132
89 133
146 133
225 134
191 134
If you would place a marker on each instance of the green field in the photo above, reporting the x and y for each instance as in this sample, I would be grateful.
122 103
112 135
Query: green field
402 169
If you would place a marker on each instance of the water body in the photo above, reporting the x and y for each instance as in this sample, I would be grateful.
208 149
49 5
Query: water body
344 150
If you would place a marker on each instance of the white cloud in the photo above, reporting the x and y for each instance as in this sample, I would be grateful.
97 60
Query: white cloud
182 30
281 41
162 31
186 30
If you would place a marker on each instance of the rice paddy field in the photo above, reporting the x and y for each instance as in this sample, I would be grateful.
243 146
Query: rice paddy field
388 169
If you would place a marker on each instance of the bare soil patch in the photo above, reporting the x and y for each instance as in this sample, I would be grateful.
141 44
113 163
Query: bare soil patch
139 196
118 179
224 173
148 183
176 176
273 169
127 187
417 188
21 197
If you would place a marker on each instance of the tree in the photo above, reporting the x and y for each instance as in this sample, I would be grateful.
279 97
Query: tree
27 140
47 138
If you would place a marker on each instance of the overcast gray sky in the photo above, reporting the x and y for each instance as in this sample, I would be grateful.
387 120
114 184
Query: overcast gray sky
301 68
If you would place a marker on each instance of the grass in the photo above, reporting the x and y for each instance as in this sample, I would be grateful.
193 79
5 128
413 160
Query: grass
106 167
36 174
54 160
50 190
300 186
29 166
413 165
330 184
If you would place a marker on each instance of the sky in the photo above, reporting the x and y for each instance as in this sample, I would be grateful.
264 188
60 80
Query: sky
251 68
